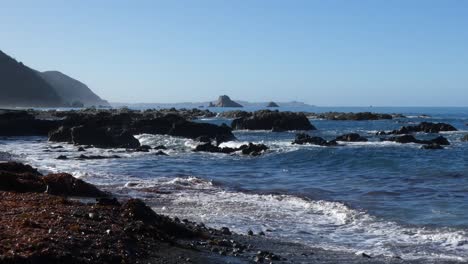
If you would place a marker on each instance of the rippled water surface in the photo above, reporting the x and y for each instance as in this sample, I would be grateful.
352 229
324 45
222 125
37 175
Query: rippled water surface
379 197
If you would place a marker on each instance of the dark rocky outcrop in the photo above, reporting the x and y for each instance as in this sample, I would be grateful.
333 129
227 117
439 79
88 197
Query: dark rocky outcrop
440 140
61 134
351 137
360 116
225 101
24 123
103 137
21 86
250 149
272 104
17 177
65 184
302 139
235 114
273 120
73 92
465 138
426 127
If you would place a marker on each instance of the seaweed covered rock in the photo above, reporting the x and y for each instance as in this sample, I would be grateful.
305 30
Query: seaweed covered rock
273 120
66 185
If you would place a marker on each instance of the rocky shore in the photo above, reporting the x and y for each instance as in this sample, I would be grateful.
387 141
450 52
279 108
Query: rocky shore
45 219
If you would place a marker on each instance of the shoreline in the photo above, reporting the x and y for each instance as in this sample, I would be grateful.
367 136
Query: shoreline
209 246
216 245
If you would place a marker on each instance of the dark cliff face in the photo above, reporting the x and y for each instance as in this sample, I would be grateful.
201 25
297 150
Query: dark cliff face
72 90
21 86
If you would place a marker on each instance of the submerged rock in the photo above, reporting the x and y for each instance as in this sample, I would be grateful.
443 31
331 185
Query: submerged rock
465 138
273 120
440 140
351 137
250 149
432 146
97 157
302 139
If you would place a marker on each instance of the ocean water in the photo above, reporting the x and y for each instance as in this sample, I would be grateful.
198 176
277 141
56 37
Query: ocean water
381 198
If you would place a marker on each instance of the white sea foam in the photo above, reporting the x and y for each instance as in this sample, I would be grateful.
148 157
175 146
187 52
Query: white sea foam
331 225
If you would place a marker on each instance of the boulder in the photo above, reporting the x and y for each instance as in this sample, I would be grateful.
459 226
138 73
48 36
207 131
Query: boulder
302 139
351 137
65 184
253 149
225 101
18 177
273 120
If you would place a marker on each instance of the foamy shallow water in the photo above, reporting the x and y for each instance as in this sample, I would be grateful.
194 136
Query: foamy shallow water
376 197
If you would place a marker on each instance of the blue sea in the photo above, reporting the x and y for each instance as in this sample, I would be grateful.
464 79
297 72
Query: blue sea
381 198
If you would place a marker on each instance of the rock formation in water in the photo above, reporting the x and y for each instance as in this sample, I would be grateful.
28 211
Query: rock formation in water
225 101
272 104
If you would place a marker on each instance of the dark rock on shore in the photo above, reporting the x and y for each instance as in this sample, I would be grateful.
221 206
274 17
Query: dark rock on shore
440 140
426 127
351 137
250 149
302 139
65 184
17 177
273 120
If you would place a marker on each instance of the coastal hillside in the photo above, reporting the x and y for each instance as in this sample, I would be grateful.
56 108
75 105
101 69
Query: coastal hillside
72 91
21 86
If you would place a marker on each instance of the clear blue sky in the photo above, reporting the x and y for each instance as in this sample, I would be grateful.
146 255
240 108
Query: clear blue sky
376 52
